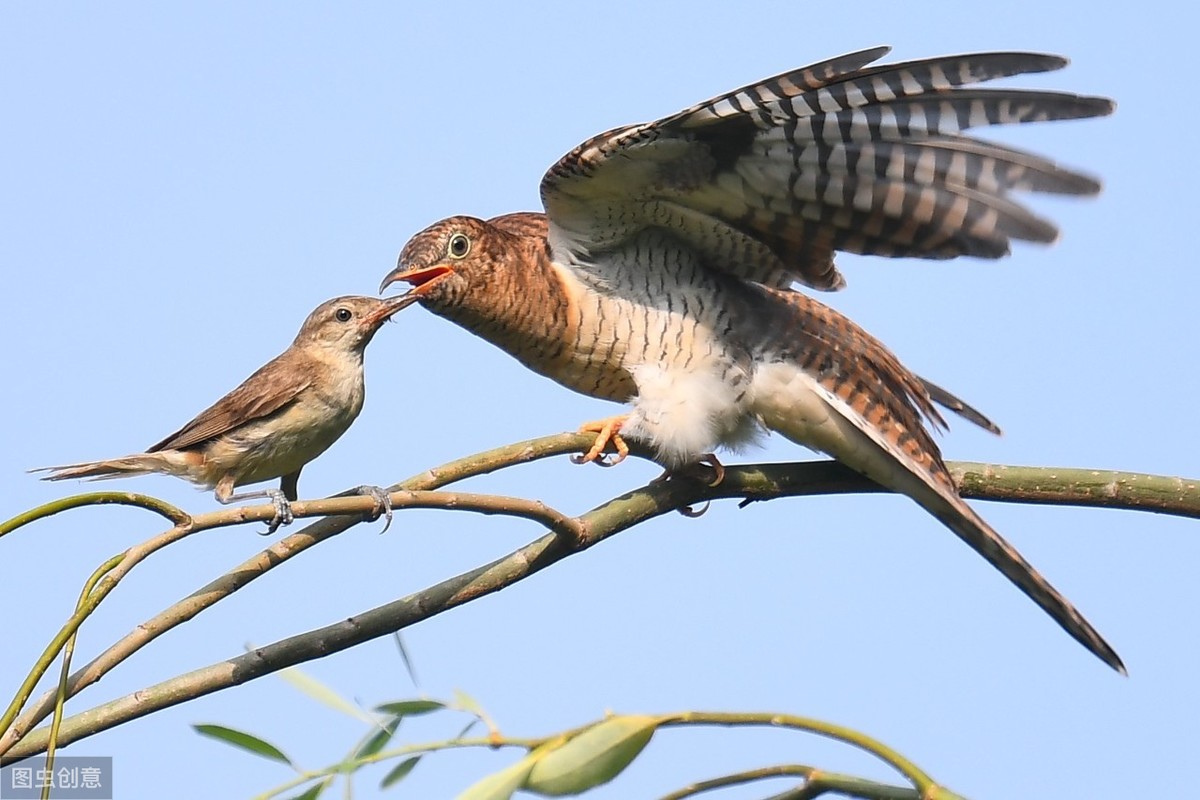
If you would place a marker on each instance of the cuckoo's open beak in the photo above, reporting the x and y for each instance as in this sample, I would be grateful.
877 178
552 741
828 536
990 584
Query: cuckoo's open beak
422 279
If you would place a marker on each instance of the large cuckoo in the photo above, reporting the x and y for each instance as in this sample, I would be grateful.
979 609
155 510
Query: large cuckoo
661 273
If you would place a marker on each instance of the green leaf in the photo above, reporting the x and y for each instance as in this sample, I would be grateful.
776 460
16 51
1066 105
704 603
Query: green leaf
377 740
468 703
594 756
314 791
245 741
500 785
410 708
399 772
322 693
404 656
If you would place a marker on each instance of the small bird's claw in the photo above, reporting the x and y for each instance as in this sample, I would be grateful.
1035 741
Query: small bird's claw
688 511
383 504
283 511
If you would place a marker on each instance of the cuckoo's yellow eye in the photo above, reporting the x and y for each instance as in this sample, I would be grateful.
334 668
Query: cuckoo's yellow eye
458 246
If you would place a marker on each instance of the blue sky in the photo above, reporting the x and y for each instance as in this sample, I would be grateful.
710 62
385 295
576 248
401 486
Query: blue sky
181 185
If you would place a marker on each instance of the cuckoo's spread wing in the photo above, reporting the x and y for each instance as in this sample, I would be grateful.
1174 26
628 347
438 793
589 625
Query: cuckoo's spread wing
265 392
768 181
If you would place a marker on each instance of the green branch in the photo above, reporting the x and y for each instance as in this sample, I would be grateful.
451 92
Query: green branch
753 482
355 506
175 515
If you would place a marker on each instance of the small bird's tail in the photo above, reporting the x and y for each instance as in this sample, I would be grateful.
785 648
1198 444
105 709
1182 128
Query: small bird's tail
125 467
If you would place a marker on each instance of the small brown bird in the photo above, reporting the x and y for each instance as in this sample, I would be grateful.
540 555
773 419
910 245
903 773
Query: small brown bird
661 273
281 417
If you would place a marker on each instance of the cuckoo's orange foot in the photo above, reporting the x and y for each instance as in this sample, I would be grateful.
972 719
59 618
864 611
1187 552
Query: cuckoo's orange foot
606 430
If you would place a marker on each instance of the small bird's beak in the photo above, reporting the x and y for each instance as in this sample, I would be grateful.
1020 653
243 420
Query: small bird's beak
422 279
390 307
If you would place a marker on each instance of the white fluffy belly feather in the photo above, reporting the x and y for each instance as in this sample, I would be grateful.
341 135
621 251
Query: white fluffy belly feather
686 414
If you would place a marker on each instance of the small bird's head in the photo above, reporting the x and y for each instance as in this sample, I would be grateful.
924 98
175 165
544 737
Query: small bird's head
348 323
457 260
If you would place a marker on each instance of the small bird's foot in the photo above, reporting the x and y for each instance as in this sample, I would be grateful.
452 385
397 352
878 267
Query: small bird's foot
283 511
606 430
383 504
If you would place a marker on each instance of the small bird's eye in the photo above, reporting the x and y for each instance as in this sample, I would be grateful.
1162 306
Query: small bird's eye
343 315
459 246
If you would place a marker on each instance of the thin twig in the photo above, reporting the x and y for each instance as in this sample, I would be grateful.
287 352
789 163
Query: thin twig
175 515
187 608
924 784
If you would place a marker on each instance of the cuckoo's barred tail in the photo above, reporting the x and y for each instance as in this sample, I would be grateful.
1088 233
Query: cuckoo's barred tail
877 405
959 517
959 406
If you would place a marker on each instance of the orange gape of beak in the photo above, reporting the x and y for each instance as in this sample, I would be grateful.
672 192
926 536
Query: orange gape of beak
422 280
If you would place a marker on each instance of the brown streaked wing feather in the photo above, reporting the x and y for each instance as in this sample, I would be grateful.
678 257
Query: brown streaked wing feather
591 154
857 368
780 87
768 181
269 389
842 77
825 330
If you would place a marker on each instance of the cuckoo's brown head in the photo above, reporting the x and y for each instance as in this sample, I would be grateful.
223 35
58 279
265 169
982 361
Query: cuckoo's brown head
468 261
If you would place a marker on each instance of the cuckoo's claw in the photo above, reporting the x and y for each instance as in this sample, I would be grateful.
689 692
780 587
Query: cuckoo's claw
688 511
606 430
710 461
283 511
707 469
383 504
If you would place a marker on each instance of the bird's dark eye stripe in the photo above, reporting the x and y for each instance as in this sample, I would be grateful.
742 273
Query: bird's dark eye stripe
343 315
